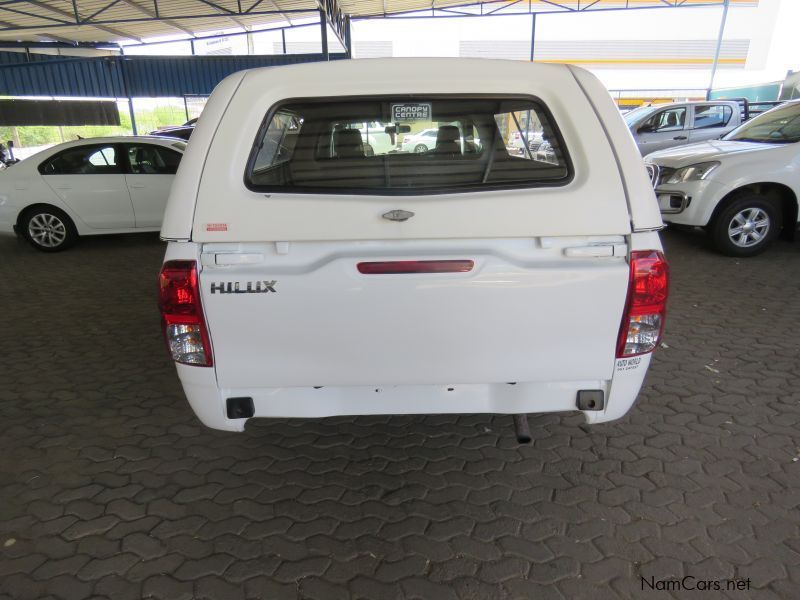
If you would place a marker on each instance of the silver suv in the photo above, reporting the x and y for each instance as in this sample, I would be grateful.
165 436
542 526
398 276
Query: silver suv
666 125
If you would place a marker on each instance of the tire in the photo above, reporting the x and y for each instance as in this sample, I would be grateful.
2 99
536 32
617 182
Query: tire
48 229
420 148
746 226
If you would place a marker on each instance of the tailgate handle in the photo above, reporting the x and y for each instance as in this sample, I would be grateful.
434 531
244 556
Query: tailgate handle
235 258
599 251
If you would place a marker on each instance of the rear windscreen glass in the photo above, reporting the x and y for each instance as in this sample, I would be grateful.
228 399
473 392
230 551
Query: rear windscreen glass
402 145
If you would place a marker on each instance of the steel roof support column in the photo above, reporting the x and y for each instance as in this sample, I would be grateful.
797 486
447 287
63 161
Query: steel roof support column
133 116
122 70
348 38
714 65
533 33
323 27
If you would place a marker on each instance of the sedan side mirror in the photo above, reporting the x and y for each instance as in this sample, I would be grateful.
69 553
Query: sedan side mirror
646 128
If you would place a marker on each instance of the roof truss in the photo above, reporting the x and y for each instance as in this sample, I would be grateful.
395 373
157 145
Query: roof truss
83 21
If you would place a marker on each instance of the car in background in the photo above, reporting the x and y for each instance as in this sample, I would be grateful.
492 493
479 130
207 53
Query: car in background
88 187
425 141
183 132
375 137
662 126
743 189
420 142
545 153
516 141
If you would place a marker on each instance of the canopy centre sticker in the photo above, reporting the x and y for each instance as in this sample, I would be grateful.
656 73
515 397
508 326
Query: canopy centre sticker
411 111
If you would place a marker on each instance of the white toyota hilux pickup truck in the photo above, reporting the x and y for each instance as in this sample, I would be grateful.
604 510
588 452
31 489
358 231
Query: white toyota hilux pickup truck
309 274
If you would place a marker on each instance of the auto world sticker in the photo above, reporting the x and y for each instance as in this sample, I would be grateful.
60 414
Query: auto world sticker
629 364
216 227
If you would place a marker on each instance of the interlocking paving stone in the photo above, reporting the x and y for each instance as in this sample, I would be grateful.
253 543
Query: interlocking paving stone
110 487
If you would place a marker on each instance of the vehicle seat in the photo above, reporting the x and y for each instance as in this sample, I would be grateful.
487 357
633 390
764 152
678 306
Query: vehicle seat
447 140
86 167
347 143
144 164
672 120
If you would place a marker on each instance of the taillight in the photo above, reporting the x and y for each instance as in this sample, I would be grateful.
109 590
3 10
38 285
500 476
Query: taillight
645 308
406 139
398 267
181 314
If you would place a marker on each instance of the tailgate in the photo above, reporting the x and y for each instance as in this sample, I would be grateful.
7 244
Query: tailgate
301 313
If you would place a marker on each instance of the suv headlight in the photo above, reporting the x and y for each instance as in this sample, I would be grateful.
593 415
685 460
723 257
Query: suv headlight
693 172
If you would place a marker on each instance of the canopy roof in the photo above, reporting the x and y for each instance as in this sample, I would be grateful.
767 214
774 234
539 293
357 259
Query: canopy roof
125 21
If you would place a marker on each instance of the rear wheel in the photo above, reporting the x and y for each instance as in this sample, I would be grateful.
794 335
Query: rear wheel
746 226
48 229
420 148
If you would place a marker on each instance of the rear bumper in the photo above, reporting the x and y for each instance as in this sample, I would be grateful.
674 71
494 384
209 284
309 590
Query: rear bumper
209 402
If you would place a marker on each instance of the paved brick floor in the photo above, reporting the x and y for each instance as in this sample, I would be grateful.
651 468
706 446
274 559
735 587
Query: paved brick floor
110 488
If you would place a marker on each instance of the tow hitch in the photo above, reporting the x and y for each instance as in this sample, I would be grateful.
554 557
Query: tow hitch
521 429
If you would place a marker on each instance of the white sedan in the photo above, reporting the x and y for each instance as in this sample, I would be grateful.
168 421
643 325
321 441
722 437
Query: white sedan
425 141
420 142
89 187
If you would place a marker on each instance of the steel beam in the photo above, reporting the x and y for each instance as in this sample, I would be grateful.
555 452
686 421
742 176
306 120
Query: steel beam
103 24
29 14
435 13
58 43
333 14
229 14
323 31
98 11
719 47
348 38
155 14
533 34
65 13
335 18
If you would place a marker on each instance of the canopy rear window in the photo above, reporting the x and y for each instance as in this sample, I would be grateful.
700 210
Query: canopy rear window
407 145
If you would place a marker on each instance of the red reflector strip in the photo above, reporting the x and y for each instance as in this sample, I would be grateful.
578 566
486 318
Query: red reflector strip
415 266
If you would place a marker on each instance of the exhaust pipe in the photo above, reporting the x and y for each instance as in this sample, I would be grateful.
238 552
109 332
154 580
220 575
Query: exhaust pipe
521 429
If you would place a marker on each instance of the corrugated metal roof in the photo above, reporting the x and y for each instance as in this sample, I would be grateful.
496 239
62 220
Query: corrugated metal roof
137 76
92 77
138 20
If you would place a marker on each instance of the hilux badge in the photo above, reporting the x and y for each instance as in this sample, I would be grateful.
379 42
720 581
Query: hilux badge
250 287
398 215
